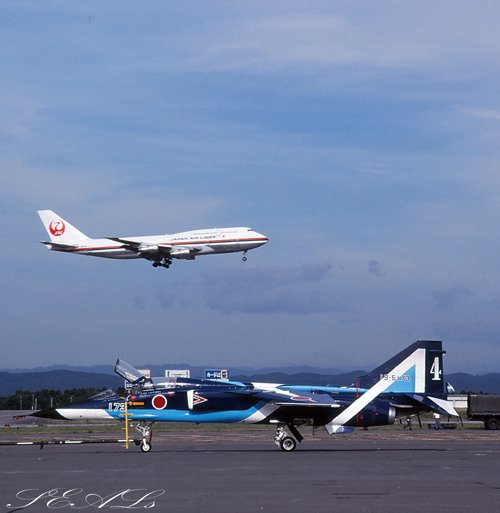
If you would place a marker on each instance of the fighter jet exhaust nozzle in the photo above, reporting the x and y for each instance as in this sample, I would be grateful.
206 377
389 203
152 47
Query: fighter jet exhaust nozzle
377 415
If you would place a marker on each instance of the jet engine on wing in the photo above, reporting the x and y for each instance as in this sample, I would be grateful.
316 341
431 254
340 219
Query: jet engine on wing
148 248
182 254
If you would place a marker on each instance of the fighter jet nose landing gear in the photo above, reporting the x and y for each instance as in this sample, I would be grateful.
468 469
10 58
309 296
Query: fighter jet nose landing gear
145 447
147 433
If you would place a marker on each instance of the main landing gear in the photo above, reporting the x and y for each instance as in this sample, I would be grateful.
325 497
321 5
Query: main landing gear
147 433
286 442
244 258
164 262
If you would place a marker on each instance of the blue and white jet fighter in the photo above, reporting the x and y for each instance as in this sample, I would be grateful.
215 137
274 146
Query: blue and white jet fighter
159 249
409 383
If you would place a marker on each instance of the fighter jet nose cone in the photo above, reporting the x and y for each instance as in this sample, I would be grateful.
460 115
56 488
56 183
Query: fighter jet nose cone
49 413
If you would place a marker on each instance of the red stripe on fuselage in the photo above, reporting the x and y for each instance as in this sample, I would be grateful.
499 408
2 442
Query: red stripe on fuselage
220 241
98 248
176 243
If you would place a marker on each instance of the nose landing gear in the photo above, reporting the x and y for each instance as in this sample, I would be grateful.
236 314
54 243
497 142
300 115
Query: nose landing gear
147 433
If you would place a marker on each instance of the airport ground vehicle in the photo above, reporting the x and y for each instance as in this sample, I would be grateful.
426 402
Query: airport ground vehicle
486 408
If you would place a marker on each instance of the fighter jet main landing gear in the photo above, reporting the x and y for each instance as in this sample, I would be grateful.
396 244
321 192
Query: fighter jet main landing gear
244 258
286 442
164 262
147 433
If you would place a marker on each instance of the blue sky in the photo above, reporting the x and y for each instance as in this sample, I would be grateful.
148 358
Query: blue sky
361 137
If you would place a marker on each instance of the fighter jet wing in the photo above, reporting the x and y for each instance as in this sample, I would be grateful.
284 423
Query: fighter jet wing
309 405
292 400
309 400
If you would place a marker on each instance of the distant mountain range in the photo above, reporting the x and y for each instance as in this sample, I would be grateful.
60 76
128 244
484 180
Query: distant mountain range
159 369
61 379
55 380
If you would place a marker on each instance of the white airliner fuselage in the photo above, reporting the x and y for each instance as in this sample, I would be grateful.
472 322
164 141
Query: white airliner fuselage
160 249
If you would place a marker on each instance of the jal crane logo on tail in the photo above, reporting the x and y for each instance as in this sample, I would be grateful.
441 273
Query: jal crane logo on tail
57 227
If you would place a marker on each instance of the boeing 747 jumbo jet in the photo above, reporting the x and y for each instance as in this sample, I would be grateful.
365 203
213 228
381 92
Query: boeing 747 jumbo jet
160 249
410 382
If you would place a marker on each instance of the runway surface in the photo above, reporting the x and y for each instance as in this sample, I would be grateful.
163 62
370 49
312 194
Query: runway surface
367 471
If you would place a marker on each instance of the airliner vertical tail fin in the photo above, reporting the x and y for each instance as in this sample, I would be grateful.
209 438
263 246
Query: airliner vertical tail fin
60 230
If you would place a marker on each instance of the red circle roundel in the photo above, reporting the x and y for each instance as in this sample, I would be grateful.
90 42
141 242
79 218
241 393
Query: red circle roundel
57 227
159 402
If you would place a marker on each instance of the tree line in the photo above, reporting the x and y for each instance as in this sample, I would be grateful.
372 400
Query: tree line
42 399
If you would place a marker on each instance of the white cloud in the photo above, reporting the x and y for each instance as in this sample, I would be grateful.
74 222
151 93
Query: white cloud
148 119
18 113
302 290
380 36
375 268
446 299
105 202
487 114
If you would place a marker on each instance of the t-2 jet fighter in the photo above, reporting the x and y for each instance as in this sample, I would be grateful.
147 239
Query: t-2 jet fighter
409 383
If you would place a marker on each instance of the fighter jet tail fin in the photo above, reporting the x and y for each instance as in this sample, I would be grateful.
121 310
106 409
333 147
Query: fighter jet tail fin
416 371
422 374
60 230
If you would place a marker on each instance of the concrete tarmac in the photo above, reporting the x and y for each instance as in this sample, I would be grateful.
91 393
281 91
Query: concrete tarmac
240 472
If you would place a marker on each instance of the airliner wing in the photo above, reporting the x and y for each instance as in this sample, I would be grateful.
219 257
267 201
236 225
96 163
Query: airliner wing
165 247
142 247
148 250
129 244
